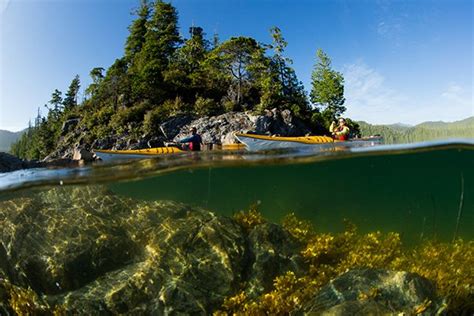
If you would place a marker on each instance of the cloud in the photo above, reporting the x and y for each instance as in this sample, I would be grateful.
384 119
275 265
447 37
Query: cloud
367 96
389 30
370 98
457 95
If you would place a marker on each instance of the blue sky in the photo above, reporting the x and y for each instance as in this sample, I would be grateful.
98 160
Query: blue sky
403 61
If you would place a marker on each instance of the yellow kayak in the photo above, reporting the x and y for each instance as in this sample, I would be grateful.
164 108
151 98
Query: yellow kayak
137 153
262 142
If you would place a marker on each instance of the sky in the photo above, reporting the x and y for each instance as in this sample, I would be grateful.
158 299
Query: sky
403 61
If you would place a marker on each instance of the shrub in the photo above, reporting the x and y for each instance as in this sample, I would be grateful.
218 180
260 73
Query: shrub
128 117
153 119
175 107
205 106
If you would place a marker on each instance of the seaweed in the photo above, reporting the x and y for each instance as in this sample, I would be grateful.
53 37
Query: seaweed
450 266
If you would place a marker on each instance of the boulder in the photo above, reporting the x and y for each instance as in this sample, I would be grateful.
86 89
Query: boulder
173 126
375 292
83 155
274 252
92 251
220 129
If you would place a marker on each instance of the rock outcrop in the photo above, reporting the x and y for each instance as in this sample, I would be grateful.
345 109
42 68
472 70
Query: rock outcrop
220 129
216 130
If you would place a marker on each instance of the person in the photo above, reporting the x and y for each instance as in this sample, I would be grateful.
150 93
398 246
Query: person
340 132
194 141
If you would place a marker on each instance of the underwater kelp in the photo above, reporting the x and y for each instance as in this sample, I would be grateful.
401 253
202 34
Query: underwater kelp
450 266
20 301
249 219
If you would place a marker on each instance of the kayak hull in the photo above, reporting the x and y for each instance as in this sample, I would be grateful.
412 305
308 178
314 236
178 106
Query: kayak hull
261 142
138 153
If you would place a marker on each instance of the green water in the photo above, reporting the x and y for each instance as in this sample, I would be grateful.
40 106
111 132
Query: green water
417 193
421 191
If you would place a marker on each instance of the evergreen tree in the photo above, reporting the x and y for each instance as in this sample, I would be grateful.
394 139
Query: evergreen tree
70 100
291 90
56 104
161 40
138 29
97 77
236 59
327 88
184 72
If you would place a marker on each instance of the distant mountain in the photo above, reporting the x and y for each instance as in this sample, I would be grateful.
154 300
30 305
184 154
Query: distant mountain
401 133
7 138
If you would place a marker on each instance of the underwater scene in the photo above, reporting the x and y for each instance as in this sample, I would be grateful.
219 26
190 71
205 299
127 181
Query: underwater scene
382 230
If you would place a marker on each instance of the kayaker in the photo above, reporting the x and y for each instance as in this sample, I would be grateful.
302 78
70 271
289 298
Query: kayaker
341 131
194 141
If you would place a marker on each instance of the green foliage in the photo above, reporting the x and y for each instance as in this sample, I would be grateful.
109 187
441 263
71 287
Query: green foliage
175 76
175 107
205 106
138 29
126 119
70 98
161 40
354 128
327 87
153 119
97 77
236 62
394 134
289 91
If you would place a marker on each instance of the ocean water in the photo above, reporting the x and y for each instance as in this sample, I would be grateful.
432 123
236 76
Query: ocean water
422 191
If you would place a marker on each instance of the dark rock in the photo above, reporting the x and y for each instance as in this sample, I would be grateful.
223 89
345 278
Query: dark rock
374 291
60 163
156 141
11 163
84 155
104 143
173 126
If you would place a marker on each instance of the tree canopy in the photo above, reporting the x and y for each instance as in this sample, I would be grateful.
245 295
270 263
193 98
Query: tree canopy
161 75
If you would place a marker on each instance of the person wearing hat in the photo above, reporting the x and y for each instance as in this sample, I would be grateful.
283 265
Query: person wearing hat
194 140
341 131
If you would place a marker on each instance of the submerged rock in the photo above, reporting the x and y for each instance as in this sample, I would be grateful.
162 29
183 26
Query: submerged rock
85 250
375 292
88 250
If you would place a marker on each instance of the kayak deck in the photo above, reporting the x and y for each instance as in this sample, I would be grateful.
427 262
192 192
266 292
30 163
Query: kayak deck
300 139
262 142
146 151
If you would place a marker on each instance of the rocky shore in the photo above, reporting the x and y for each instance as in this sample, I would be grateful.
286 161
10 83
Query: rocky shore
74 149
215 130
86 250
